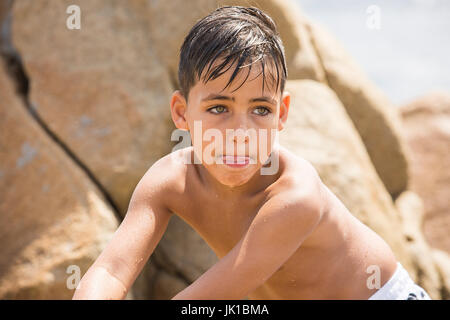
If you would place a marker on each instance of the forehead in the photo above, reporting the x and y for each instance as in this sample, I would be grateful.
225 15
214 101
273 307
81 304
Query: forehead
249 82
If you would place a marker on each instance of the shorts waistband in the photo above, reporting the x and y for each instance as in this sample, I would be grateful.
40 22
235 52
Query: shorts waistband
397 287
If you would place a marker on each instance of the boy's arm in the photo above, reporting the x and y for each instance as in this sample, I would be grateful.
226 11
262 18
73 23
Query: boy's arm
276 232
115 270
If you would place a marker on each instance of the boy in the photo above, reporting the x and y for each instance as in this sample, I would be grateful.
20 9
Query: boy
279 232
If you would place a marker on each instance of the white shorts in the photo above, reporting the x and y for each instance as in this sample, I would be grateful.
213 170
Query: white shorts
400 287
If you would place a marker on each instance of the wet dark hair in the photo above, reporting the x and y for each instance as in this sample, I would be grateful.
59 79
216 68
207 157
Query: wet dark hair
234 33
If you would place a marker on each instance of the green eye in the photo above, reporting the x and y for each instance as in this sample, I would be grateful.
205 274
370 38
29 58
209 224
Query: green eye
218 109
263 111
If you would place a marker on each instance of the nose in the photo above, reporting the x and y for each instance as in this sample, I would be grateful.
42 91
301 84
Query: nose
239 142
239 128
241 137
240 134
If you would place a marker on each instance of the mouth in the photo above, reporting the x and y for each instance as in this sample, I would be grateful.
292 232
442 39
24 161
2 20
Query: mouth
236 161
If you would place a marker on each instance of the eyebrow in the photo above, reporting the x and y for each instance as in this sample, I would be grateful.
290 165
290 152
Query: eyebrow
214 96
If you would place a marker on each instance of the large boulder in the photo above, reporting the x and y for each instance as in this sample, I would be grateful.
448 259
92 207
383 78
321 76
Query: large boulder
51 215
100 89
5 17
372 113
5 6
442 261
410 207
426 123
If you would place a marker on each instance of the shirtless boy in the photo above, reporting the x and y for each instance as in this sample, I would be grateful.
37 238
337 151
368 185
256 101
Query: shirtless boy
281 234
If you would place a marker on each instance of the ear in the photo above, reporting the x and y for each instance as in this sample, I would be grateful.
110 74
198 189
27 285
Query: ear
284 109
178 108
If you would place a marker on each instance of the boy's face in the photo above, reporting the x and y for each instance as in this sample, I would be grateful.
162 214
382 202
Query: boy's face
232 132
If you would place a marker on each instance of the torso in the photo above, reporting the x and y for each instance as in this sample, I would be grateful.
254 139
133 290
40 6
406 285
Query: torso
330 264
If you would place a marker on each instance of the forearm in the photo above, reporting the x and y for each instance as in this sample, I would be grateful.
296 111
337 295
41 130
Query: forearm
187 294
99 284
193 293
211 287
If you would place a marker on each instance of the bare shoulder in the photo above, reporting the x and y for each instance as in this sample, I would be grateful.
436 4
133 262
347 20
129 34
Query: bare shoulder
293 208
301 182
164 178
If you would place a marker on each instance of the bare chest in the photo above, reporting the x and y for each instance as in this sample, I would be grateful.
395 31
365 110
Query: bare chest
221 224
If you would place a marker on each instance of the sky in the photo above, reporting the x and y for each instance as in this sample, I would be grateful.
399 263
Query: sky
403 46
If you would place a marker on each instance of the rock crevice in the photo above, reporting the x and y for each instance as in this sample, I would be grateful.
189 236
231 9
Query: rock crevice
15 68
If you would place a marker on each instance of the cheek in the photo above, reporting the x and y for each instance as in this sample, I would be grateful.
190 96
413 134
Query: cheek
265 140
206 145
209 151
